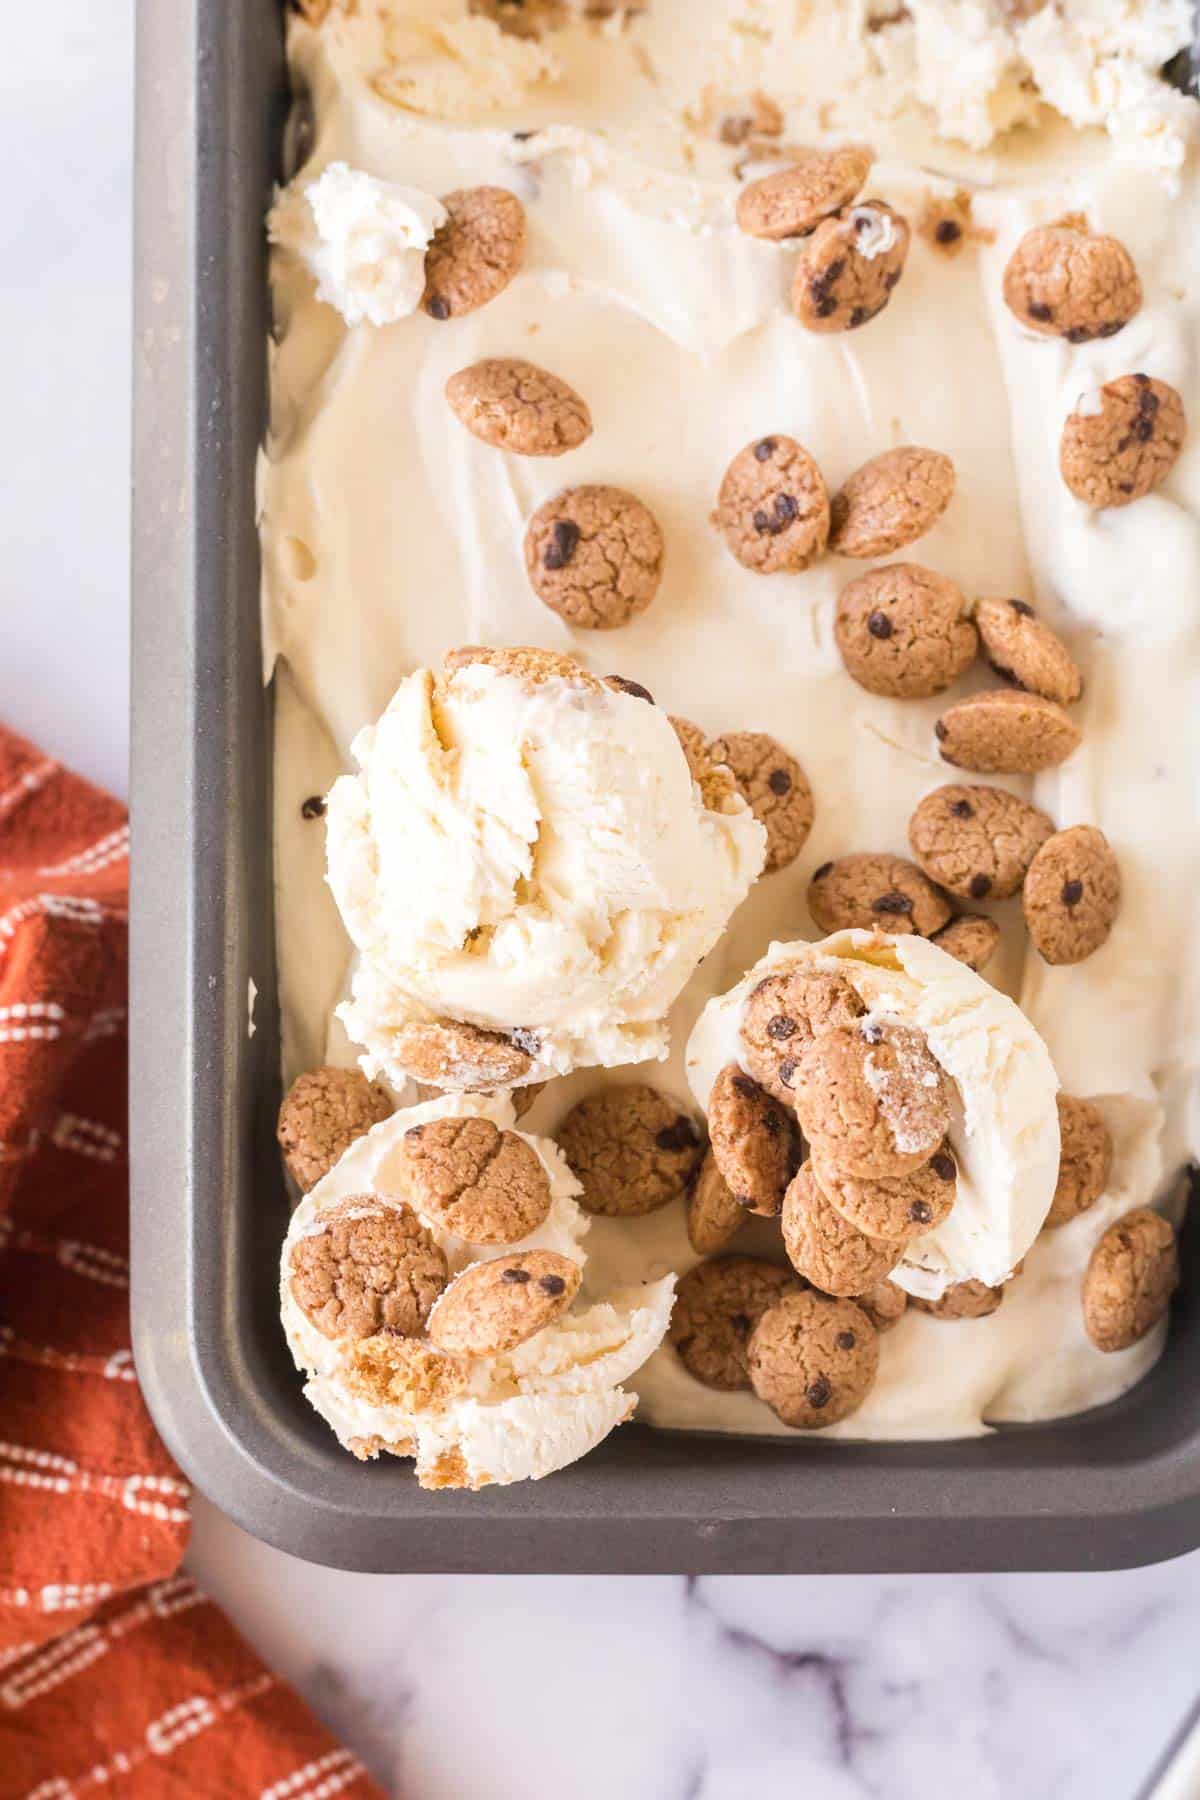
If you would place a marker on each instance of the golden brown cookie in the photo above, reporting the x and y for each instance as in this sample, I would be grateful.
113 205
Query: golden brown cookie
448 1054
783 1013
1062 281
713 1215
773 508
977 841
517 406
972 938
371 1266
594 555
718 788
894 1208
633 1148
1084 1163
1116 451
1072 894
885 1305
1133 1272
485 1185
717 1306
1005 731
964 1300
754 1141
793 201
813 1359
774 787
849 266
1024 650
476 253
323 1113
636 691
386 1370
526 664
825 1248
871 1099
903 631
891 501
494 1306
873 890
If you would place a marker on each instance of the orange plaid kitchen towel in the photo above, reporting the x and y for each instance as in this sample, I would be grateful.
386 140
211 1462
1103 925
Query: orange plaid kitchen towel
117 1676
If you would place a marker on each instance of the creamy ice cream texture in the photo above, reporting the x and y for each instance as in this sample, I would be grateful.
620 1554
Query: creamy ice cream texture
363 240
638 289
525 1413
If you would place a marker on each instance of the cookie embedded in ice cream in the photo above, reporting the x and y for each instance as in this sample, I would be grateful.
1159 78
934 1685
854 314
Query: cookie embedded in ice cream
1133 1272
1121 442
716 1309
755 1141
1072 894
978 842
813 1359
955 1052
516 406
1064 281
594 556
1024 650
849 266
364 241
792 201
890 502
528 873
773 507
520 1371
904 631
476 251
322 1114
1002 731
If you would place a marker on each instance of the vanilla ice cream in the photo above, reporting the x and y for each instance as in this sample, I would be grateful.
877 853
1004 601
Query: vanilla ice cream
362 239
529 854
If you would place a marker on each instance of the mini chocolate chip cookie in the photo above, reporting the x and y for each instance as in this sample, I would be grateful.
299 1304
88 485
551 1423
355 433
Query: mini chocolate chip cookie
754 1141
323 1113
894 1208
528 665
1072 894
849 266
784 1012
718 787
1022 649
813 1359
476 253
903 631
774 787
717 1306
871 1099
971 938
871 890
885 1305
890 502
448 1054
518 407
714 1217
633 1148
370 1266
825 1248
1085 1160
947 225
793 201
1005 731
1062 281
1133 1272
494 1306
1117 446
483 1184
594 555
977 841
773 509
963 1300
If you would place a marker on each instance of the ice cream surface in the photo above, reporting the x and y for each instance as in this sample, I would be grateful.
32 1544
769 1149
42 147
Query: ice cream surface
363 240
529 853
390 534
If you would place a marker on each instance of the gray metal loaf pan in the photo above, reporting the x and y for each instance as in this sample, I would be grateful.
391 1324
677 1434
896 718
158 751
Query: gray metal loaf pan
1118 1486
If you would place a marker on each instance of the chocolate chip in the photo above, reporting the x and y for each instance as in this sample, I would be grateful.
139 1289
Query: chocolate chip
825 304
819 1393
740 1323
1147 400
437 306
962 809
943 1166
1143 429
516 1277
746 1201
743 1085
780 1027
761 521
787 1070
526 1040
564 539
522 137
979 886
313 808
941 731
765 449
786 508
552 1284
631 687
1079 334
822 872
846 1340
1040 311
920 1212
1023 607
890 279
947 231
772 1124
834 272
879 625
1072 892
859 316
892 903
679 1136
1112 329
779 781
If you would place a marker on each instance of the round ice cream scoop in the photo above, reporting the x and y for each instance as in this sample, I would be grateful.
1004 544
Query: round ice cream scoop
525 850
1002 1085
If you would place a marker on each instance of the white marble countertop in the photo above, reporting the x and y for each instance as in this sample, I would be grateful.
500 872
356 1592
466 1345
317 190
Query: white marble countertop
472 1688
